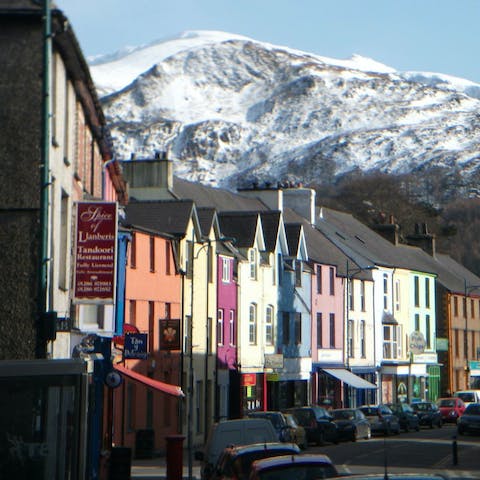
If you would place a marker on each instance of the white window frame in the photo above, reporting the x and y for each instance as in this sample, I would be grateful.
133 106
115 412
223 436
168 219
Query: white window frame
362 339
226 270
392 346
385 291
252 258
350 338
231 323
269 325
397 295
220 327
252 324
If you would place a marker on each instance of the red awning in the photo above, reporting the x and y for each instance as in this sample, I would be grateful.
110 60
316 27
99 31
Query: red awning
150 382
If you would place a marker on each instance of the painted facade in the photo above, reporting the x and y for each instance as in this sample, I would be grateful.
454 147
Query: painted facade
152 295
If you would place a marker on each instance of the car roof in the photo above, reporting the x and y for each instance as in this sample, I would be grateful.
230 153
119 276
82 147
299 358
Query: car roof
253 447
304 458
394 476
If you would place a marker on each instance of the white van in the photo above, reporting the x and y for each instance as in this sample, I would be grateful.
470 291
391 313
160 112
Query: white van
242 431
468 396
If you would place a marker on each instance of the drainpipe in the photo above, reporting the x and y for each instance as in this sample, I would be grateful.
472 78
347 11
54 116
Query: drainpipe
40 347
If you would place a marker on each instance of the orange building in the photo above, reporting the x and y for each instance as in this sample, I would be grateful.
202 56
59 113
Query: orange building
144 416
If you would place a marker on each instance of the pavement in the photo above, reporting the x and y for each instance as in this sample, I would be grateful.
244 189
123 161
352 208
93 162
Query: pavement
156 468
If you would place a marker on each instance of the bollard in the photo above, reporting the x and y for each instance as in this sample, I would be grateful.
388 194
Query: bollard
175 457
455 450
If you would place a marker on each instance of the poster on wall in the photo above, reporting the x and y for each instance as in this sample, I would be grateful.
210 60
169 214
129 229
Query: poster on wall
95 252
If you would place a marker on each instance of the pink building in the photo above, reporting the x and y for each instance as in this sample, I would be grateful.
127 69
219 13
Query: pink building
228 378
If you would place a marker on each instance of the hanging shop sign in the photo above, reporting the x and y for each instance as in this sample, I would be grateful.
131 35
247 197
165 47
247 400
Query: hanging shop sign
169 334
95 252
416 342
135 346
274 360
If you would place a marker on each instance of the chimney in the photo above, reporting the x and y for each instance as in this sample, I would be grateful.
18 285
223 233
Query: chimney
390 231
149 179
421 238
286 195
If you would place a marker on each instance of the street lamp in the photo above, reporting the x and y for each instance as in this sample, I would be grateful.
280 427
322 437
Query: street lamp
467 290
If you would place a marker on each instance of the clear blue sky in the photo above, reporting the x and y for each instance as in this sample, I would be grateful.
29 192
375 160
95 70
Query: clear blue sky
425 35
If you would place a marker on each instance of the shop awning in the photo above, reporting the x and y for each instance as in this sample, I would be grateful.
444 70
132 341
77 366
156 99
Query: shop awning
348 377
150 382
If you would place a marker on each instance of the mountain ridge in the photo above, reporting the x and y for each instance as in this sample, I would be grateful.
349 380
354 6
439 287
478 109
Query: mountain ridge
232 110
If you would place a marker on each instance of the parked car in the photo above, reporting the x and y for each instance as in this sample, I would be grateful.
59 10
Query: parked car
398 476
241 431
428 414
381 418
351 424
407 417
279 423
468 396
294 467
317 422
451 408
298 433
469 422
235 462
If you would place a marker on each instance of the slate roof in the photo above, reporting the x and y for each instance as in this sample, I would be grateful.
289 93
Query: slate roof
206 217
320 248
292 231
270 227
215 197
364 244
168 216
240 225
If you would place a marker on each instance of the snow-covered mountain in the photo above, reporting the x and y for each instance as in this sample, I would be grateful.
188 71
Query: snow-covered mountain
230 109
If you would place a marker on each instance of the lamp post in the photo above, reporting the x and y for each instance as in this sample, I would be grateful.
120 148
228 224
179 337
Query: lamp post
467 290
350 274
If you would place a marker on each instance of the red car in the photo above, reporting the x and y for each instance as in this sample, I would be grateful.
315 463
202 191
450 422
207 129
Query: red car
451 408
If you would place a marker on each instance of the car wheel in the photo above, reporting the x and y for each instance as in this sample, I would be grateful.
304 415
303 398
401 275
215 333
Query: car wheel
406 428
388 430
354 435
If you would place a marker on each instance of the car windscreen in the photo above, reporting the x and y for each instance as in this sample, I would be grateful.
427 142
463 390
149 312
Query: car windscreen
304 417
466 396
473 410
343 414
422 407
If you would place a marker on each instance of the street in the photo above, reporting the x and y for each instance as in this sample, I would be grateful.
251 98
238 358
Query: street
426 451
429 450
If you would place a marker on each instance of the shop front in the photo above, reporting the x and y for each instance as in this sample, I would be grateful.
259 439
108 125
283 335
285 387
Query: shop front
410 382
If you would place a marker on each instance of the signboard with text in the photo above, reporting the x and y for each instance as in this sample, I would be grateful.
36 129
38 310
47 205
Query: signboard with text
135 346
95 252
